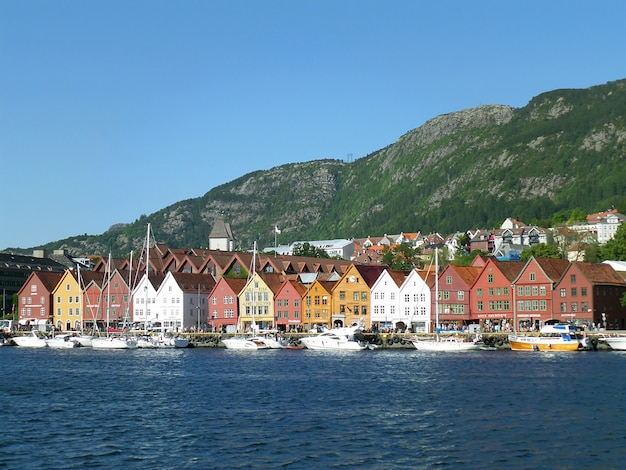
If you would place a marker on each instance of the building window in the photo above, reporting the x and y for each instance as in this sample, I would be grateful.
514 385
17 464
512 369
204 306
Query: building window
533 276
448 279
572 278
479 292
563 307
480 306
490 278
342 295
563 292
573 290
583 292
461 295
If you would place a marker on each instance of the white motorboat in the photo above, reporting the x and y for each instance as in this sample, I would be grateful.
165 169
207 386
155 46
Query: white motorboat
558 337
84 340
114 342
447 343
272 341
617 343
244 343
35 339
336 339
146 342
62 342
169 341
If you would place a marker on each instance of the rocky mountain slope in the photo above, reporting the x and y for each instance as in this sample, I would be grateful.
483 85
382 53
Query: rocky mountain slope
468 169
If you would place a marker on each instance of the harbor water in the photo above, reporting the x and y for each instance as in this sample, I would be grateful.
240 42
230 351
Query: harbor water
218 408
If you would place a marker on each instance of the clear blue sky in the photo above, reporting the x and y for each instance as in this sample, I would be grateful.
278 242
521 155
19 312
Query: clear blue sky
110 109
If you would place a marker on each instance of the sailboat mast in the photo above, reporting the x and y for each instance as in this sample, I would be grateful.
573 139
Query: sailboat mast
80 299
437 290
130 288
108 290
253 326
145 322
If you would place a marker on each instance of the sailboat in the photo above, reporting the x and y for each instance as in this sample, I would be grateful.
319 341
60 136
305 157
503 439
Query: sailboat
112 342
243 342
448 343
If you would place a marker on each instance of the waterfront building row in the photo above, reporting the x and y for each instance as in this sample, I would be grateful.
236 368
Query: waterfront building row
490 292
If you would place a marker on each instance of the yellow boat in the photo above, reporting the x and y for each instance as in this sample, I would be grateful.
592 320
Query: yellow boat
559 337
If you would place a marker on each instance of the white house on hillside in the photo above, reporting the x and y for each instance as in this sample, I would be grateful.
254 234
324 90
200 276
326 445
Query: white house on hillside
340 247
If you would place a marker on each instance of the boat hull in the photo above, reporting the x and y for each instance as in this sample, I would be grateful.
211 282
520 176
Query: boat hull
30 341
243 344
542 344
617 343
61 343
431 345
113 343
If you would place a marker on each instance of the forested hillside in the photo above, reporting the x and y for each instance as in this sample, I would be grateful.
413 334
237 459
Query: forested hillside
565 150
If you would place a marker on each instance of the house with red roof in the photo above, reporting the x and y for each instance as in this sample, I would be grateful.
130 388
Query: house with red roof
35 298
590 293
491 293
224 304
455 284
534 290
288 305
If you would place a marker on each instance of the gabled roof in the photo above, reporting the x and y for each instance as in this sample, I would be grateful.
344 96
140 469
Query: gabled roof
599 273
370 273
553 268
398 276
235 284
190 282
510 269
48 279
273 281
468 274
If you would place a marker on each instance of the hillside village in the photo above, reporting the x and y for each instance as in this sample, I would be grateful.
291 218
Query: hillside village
216 289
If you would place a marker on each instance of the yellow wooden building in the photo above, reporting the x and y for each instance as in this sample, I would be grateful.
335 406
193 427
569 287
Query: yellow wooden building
317 306
351 295
66 298
256 302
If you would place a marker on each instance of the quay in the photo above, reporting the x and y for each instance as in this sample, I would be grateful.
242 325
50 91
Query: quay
393 340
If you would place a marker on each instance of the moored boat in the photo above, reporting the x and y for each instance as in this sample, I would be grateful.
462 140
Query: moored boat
616 343
244 343
61 342
448 343
558 337
337 339
35 339
114 342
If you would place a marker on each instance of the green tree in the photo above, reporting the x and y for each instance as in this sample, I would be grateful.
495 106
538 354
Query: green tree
306 249
402 256
615 248
577 215
541 251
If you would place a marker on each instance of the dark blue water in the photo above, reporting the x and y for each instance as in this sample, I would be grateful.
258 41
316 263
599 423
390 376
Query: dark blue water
207 408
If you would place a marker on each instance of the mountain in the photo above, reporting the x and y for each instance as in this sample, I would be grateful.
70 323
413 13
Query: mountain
468 169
